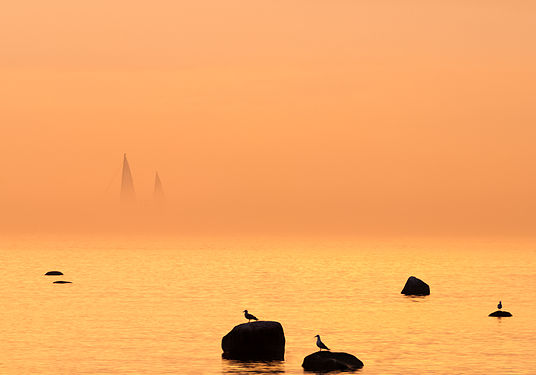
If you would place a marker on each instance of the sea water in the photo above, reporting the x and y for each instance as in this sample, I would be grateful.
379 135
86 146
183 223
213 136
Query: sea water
155 306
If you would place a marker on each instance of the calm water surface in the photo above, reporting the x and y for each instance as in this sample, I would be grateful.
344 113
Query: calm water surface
161 307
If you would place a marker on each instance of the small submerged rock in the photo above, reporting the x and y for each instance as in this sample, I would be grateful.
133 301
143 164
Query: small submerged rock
53 273
415 287
331 361
500 314
264 340
62 282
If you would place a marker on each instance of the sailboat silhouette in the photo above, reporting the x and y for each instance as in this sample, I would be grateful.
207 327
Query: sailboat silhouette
158 193
128 195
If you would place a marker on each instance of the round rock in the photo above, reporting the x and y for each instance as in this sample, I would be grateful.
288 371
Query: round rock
415 287
500 314
264 340
53 273
331 361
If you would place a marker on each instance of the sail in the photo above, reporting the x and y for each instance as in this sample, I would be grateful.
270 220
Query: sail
158 191
127 185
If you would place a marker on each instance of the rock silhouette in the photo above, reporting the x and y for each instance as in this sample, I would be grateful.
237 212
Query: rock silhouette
331 361
415 287
264 340
62 282
500 314
53 273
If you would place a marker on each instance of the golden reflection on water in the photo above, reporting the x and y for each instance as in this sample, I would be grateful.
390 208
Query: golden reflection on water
147 307
252 367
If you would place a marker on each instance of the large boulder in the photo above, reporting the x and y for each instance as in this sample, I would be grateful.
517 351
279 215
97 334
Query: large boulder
415 287
500 314
331 361
53 273
262 340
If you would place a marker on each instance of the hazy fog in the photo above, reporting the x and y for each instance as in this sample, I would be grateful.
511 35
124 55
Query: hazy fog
381 117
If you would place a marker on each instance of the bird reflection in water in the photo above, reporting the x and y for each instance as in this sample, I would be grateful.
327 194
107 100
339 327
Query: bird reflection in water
230 366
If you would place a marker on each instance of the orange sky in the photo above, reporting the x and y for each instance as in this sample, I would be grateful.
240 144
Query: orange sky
340 116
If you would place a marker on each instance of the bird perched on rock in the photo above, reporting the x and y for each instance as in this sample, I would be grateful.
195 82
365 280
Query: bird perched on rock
499 306
320 344
249 316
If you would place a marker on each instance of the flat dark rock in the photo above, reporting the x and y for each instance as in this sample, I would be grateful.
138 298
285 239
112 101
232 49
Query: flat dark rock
262 340
500 314
415 287
62 282
331 361
53 273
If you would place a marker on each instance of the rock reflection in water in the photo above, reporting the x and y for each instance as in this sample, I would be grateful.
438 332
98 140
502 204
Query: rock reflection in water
252 367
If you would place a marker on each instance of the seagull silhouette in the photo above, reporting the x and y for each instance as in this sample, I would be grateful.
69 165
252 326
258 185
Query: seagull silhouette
320 344
249 317
499 306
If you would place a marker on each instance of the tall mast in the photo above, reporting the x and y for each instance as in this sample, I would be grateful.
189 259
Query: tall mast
127 185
